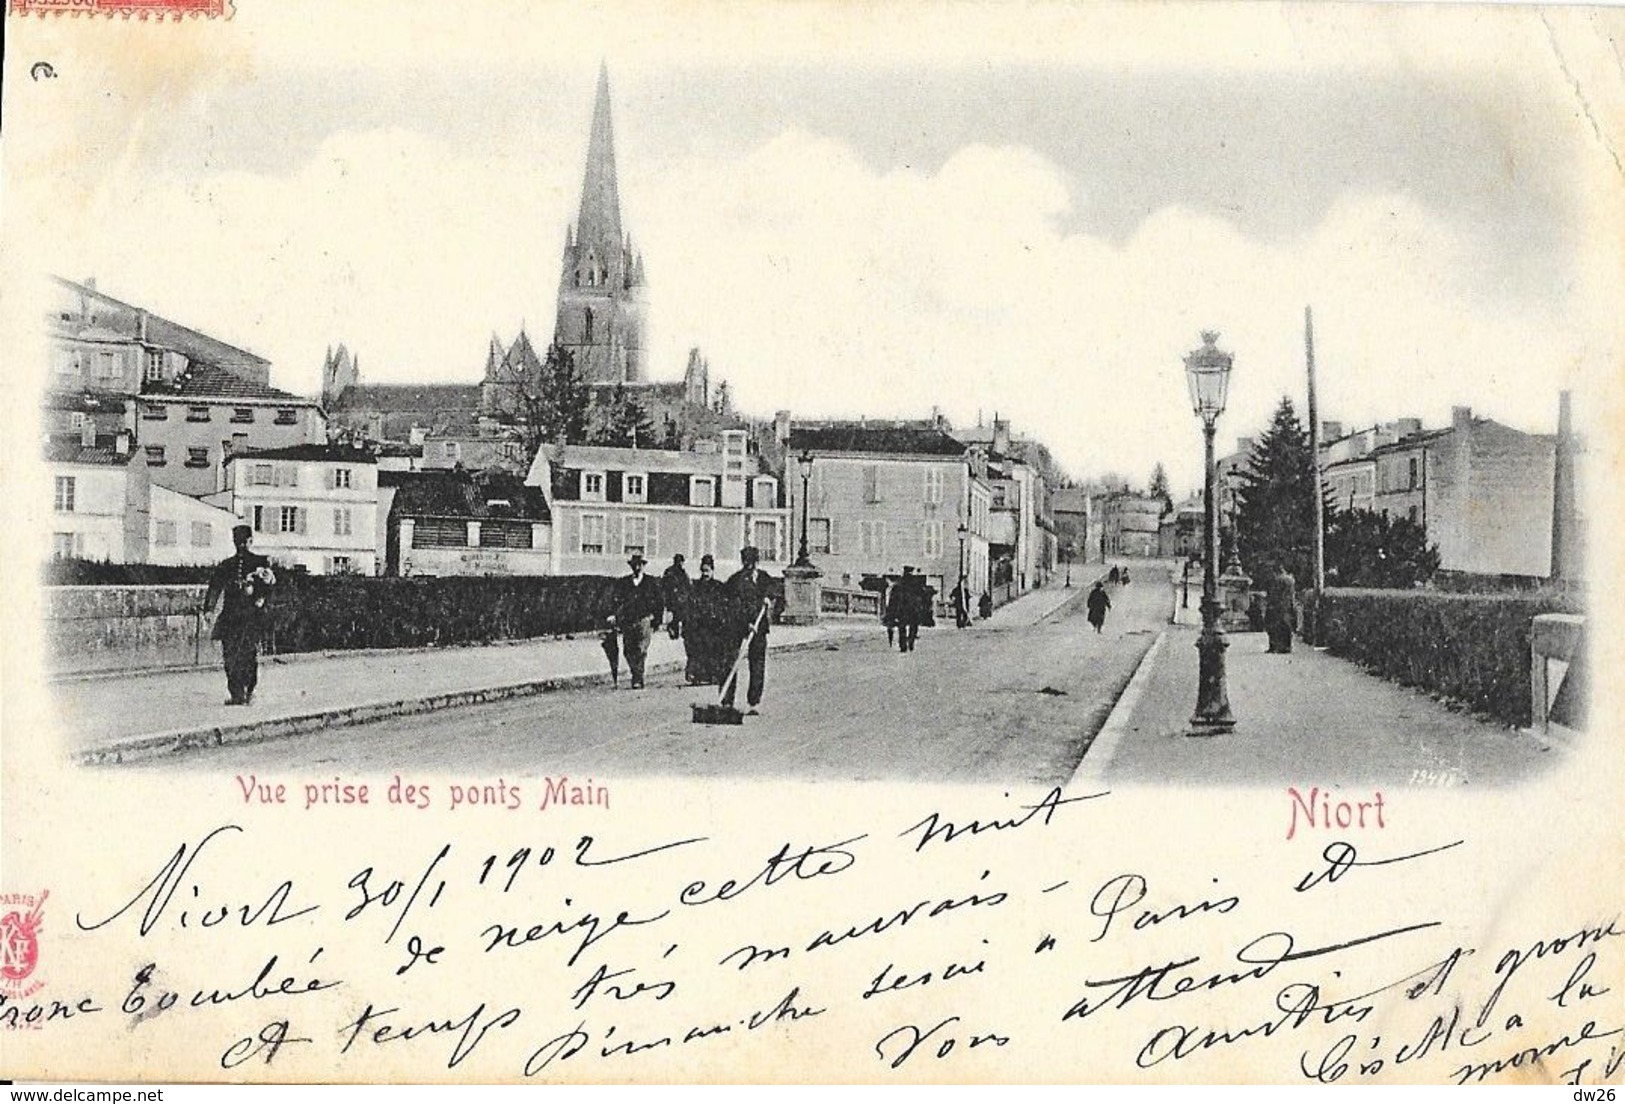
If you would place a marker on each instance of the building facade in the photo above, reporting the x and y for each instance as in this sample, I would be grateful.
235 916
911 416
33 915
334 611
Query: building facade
187 531
466 523
189 427
608 503
100 501
313 506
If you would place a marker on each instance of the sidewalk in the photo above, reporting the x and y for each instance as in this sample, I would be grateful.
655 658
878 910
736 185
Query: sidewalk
112 719
1305 719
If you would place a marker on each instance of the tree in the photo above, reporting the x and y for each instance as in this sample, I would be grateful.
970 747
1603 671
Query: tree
1158 488
722 400
1275 521
546 401
1365 548
623 423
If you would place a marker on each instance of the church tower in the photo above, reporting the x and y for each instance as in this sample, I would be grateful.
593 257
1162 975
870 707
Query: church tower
601 290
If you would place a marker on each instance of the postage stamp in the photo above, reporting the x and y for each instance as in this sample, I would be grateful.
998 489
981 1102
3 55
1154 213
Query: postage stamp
21 917
140 9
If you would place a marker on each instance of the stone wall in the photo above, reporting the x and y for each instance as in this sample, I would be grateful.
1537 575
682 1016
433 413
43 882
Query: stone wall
124 628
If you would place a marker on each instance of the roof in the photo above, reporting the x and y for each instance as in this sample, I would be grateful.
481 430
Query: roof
603 457
1405 444
204 381
85 401
876 439
405 397
337 454
72 452
453 494
165 332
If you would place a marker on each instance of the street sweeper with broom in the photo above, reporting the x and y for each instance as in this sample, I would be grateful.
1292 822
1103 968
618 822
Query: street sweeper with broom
756 598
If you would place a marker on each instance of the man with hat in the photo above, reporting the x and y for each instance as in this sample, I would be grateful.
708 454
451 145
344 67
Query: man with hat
638 606
750 590
241 584
675 585
707 626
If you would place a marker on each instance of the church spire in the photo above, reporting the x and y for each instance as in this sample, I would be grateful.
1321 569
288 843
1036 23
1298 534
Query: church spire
599 224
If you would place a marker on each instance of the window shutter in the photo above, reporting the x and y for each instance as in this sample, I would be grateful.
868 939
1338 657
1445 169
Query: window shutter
834 545
299 519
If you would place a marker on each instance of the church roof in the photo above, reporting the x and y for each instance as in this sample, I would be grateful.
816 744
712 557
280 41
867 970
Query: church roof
599 222
407 397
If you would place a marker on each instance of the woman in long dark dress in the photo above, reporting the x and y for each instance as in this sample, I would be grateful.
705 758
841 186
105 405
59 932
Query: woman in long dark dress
705 627
1099 603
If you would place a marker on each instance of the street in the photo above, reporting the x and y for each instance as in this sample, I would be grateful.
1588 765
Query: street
986 705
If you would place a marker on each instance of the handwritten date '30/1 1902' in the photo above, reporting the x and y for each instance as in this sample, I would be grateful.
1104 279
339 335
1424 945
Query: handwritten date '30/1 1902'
813 969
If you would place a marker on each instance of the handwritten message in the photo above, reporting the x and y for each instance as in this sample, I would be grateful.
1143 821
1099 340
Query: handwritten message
929 943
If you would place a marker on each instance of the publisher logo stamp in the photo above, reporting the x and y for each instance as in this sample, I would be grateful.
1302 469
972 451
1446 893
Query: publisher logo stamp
21 917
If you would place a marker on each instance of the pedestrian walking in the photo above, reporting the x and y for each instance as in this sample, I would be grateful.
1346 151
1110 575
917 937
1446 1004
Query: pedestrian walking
755 599
984 606
909 599
638 607
1099 602
961 601
674 584
706 626
1281 610
241 584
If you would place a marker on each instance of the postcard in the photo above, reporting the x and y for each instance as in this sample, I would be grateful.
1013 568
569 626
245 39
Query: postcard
812 543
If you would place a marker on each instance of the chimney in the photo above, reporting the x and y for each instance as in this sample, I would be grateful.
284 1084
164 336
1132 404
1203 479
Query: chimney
121 443
1461 418
1404 427
1001 435
90 282
781 428
141 325
87 432
1331 431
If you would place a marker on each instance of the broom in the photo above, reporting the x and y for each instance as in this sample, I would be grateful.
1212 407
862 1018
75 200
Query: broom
716 712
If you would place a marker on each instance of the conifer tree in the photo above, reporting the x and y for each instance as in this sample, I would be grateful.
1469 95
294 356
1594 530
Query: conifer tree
1275 522
623 423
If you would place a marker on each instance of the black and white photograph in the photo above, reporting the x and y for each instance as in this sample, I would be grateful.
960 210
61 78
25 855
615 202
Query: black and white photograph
1026 499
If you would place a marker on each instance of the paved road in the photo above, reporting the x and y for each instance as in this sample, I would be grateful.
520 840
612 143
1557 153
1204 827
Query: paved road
991 705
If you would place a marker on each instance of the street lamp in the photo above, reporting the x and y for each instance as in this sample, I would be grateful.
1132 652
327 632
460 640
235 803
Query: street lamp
962 606
1207 370
805 463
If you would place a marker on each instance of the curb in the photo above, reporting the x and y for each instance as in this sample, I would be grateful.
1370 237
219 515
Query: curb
136 748
1097 756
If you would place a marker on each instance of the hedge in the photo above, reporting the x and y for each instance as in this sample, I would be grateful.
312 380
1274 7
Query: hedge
310 613
74 572
1471 648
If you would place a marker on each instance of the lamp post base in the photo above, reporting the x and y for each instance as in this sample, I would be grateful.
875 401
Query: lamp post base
1212 716
801 595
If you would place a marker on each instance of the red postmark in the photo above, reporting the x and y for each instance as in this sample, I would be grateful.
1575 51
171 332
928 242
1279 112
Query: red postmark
22 915
139 9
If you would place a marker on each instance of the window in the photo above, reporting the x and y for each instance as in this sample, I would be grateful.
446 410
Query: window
586 325
702 537
69 363
64 545
242 413
1413 474
931 539
64 494
197 413
76 420
1415 515
592 534
154 412
635 534
764 534
871 483
818 535
202 534
635 488
285 475
451 450
338 565
197 457
341 479
343 523
933 486
290 519
998 497
592 486
440 533
154 372
107 368
155 455
256 519
506 533
872 538
702 491
164 535
259 475
287 415
767 492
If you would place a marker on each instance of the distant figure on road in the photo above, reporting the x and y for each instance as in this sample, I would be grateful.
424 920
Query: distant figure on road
638 606
756 599
706 626
908 608
241 584
1116 573
1125 577
674 583
1099 602
1281 610
984 606
961 600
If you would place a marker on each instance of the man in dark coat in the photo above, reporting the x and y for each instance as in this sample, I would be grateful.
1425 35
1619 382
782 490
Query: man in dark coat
707 626
1099 602
638 606
1281 610
909 600
675 584
241 584
750 590
961 600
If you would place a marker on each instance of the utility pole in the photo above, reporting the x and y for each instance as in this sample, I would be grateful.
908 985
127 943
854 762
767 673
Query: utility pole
1314 452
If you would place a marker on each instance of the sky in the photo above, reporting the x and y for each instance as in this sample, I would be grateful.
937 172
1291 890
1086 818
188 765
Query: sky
1028 210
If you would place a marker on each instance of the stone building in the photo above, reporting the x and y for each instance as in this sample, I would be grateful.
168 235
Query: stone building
466 523
313 506
100 501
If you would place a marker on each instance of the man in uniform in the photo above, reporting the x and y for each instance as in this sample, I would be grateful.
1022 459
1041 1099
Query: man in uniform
750 589
638 606
240 583
675 583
